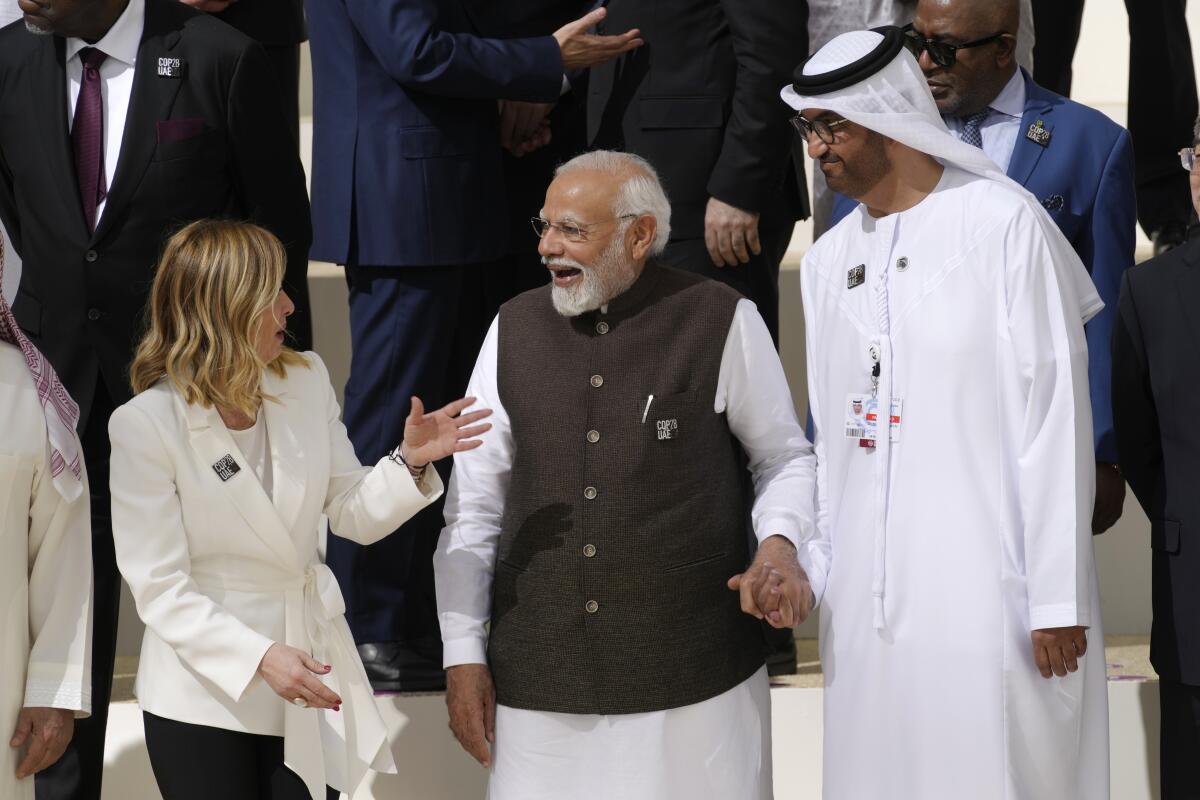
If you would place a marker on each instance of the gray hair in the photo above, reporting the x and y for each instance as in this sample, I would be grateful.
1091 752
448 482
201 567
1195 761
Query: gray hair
1196 133
641 193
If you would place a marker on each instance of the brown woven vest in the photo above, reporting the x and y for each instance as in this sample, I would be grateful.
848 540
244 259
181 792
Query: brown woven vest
625 516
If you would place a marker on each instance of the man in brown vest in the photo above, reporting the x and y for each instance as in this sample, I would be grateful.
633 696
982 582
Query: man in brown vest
593 646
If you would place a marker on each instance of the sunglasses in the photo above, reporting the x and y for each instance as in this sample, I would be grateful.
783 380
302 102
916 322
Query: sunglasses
940 53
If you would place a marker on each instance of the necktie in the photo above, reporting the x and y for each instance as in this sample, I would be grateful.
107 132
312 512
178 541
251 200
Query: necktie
970 130
87 135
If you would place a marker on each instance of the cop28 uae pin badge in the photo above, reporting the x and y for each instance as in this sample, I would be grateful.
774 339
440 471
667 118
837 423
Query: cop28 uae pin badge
856 276
1038 134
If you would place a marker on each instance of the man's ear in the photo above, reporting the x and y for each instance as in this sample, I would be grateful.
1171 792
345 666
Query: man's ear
1006 51
641 236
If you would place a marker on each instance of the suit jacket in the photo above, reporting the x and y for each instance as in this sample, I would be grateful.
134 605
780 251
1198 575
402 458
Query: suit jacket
268 22
1083 177
220 570
1156 400
406 142
700 101
210 143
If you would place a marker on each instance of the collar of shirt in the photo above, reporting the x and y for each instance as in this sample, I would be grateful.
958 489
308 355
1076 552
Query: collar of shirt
122 40
1011 100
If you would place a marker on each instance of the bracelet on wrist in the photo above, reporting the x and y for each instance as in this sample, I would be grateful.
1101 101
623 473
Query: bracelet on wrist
398 456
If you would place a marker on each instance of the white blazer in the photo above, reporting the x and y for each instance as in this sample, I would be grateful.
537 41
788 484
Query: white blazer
220 571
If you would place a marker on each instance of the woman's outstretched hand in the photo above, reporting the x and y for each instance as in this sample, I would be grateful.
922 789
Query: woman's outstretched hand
433 436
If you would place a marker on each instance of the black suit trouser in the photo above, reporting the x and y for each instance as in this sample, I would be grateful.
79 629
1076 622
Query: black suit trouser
1179 707
78 774
413 331
199 762
1162 94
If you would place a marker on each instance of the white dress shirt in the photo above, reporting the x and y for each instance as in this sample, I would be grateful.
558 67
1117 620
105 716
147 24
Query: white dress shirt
1003 125
120 44
252 442
711 750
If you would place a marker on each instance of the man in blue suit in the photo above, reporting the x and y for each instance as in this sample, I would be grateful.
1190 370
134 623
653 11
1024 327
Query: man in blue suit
408 189
1072 158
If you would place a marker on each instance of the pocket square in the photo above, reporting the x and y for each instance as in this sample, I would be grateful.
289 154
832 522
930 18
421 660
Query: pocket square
1053 203
176 130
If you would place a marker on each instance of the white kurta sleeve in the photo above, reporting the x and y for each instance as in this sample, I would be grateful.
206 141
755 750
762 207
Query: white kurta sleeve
753 392
1055 458
822 549
365 504
153 557
466 554
60 597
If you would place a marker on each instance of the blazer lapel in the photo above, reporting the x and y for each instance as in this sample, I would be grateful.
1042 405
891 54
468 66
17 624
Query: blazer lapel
150 100
212 443
1027 152
287 454
48 104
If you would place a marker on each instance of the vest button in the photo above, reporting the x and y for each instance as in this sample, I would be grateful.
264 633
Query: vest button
90 256
93 314
590 493
593 436
601 328
589 550
591 606
597 381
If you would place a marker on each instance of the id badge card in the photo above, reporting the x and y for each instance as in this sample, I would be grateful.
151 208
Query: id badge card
862 419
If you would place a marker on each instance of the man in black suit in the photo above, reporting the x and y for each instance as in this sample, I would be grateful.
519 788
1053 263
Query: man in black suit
701 103
119 121
278 25
1156 378
537 137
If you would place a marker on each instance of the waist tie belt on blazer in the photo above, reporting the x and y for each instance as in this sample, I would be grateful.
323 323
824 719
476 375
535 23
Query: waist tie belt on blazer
320 745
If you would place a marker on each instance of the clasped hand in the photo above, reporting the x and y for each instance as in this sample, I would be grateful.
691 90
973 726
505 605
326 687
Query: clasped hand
775 587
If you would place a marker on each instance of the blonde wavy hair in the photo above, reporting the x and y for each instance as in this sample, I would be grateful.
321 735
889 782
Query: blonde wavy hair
214 281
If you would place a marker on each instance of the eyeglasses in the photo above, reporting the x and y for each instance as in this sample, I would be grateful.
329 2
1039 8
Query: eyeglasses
941 53
571 231
1188 158
824 129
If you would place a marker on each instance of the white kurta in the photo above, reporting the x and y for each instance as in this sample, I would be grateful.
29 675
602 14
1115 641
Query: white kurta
45 574
713 750
950 544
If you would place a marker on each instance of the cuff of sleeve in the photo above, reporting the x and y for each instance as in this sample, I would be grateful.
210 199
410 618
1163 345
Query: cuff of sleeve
778 526
812 559
45 693
470 650
242 676
1059 615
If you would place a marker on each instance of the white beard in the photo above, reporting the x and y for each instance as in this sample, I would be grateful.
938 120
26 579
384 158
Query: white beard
607 278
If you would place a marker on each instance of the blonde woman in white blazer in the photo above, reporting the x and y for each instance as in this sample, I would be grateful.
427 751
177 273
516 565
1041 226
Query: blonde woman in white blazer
222 465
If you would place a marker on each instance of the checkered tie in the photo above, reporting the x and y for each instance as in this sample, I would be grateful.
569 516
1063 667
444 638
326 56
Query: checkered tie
970 129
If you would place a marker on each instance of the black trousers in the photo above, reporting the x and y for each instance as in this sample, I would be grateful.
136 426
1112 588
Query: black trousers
413 331
1179 707
1162 94
757 280
198 762
78 774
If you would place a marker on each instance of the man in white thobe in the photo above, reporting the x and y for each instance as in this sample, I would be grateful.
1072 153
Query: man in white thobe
641 422
45 564
960 636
